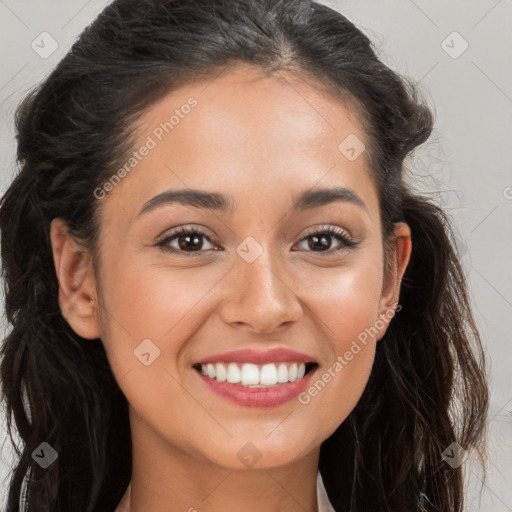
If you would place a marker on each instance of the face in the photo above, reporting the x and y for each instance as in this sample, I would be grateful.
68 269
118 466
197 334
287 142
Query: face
265 279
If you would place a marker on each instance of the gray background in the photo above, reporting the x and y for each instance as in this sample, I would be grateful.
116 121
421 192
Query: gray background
465 166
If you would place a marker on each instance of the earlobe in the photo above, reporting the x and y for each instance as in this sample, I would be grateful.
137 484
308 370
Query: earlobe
77 285
400 257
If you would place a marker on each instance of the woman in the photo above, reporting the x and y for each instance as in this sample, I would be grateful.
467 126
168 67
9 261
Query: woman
222 293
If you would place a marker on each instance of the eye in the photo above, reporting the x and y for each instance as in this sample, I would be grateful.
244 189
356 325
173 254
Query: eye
322 240
191 240
185 241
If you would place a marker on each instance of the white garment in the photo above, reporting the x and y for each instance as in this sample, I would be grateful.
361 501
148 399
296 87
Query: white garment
324 505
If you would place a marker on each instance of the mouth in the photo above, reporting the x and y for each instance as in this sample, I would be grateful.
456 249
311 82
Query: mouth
255 383
256 376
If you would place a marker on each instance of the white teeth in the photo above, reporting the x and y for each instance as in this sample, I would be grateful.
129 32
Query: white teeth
252 375
292 373
249 374
233 373
221 372
268 375
282 373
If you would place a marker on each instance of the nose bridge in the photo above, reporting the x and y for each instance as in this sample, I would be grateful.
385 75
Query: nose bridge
258 293
260 279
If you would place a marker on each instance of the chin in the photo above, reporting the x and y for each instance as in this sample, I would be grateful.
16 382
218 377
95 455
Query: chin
257 452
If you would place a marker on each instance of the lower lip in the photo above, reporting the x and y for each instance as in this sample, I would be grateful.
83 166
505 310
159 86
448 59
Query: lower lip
258 397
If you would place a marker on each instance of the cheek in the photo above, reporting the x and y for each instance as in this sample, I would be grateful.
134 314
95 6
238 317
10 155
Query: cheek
156 303
346 304
345 298
154 310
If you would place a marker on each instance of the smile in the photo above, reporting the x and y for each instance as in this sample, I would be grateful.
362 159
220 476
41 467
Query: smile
257 379
253 375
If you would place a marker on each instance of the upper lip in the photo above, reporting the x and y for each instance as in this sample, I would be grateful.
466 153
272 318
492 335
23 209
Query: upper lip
276 355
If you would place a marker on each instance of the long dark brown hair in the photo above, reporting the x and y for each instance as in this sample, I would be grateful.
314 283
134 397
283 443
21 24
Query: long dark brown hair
427 388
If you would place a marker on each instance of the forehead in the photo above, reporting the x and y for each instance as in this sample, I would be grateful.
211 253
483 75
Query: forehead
242 131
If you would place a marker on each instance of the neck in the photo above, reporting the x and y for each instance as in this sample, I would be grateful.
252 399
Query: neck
167 479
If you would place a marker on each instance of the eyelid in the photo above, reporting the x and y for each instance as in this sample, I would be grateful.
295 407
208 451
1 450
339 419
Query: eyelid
328 228
187 227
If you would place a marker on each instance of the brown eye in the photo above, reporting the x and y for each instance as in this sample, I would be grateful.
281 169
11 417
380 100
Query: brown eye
185 241
321 241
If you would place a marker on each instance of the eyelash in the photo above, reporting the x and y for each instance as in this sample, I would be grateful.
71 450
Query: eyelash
341 235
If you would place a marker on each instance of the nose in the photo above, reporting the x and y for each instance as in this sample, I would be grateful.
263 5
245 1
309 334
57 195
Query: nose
260 296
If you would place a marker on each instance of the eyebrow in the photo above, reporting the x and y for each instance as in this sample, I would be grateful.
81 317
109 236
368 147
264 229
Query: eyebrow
221 202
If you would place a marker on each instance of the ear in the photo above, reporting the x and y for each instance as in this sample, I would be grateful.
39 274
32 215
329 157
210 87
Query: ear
399 259
77 284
